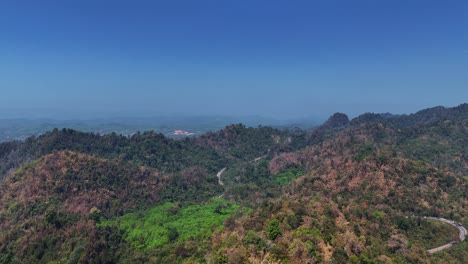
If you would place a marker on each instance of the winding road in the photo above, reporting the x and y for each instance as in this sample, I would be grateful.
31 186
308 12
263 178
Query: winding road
219 180
220 173
461 229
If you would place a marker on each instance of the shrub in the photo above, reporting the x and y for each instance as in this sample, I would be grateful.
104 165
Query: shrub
274 229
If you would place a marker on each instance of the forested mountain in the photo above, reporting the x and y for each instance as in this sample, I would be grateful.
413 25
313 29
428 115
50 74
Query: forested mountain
425 116
213 150
344 192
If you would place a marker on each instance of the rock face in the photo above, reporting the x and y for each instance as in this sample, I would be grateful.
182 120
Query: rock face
337 120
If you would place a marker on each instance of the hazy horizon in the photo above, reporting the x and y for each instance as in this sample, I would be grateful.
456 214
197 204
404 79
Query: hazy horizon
283 60
87 115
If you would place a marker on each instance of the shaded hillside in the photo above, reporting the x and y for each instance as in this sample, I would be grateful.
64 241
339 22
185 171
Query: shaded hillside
239 143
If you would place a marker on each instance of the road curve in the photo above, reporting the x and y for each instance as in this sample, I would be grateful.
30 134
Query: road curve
434 250
259 158
220 182
461 229
219 176
220 173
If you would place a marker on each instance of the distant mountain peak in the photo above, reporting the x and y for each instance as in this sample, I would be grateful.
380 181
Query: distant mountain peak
337 120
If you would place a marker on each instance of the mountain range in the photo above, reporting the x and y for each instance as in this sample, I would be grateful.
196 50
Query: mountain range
347 191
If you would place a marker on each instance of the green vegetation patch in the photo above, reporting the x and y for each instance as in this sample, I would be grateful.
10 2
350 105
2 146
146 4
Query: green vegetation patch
288 176
168 223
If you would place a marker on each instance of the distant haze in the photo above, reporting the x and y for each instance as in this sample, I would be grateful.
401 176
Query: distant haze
276 59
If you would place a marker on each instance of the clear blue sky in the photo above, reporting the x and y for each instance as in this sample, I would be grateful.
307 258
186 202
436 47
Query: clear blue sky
272 58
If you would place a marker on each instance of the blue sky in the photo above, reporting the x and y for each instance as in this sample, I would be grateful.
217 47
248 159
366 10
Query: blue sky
279 59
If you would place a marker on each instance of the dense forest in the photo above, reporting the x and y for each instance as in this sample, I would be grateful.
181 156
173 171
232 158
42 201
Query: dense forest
348 191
